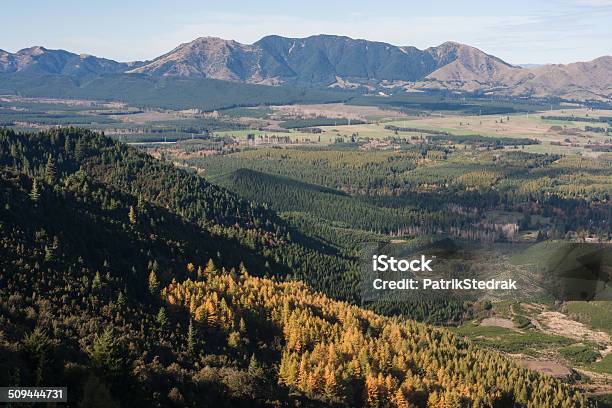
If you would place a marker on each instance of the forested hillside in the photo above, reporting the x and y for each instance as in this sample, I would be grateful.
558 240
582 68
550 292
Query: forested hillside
82 266
265 242
171 93
337 353
75 313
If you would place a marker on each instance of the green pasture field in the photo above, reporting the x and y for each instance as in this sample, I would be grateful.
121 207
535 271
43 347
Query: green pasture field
512 341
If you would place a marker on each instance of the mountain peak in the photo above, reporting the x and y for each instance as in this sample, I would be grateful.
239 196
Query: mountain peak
35 50
452 44
207 57
210 40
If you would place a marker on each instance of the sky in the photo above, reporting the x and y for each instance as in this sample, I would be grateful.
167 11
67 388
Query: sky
518 31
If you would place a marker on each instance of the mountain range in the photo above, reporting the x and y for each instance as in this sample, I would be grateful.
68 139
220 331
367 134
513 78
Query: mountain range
337 62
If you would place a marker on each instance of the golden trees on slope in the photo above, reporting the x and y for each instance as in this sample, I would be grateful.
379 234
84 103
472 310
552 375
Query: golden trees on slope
338 352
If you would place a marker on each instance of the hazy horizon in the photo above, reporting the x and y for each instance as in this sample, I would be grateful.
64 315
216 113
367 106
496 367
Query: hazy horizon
524 32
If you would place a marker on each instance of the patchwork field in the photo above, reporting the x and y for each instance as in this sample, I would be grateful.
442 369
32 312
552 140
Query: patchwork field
554 136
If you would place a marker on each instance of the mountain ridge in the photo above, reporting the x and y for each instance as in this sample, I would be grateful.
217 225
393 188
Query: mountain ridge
336 61
40 60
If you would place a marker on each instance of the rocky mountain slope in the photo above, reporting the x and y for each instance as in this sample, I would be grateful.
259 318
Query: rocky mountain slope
580 80
40 60
473 70
336 61
273 59
207 58
470 69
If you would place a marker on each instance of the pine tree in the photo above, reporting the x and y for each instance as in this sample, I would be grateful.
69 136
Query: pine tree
452 400
37 344
50 171
35 192
323 358
399 399
315 382
141 203
96 283
79 150
243 270
191 338
67 145
49 254
176 397
121 300
210 268
162 318
241 326
132 215
200 313
302 377
153 284
330 382
212 317
105 354
254 367
372 391
288 369
433 400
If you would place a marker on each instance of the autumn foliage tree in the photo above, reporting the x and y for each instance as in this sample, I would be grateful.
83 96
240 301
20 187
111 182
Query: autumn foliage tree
340 353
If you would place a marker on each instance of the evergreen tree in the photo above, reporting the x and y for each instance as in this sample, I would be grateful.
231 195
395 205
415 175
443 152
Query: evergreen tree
191 339
241 326
162 318
67 145
37 345
210 268
255 368
49 254
79 150
105 355
35 192
50 171
243 270
132 215
141 203
153 284
96 283
121 300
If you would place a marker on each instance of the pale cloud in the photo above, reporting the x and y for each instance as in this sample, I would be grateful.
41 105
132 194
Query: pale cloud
594 3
